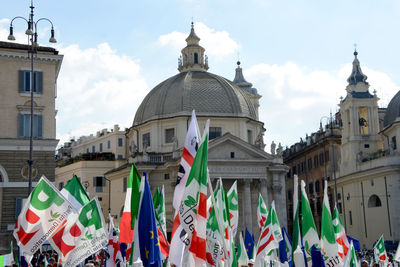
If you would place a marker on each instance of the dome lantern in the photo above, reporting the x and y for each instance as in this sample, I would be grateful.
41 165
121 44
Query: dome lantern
193 56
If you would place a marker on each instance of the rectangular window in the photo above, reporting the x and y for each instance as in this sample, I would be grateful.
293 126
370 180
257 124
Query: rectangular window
101 147
24 127
166 176
339 207
99 182
394 143
250 136
319 210
309 163
24 80
289 195
18 206
146 140
169 135
312 206
125 184
310 188
108 144
120 142
317 186
60 186
315 161
350 218
214 132
87 150
232 155
120 156
321 158
294 170
326 156
93 149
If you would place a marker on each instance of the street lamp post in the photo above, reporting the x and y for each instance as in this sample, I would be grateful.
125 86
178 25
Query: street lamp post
32 49
330 121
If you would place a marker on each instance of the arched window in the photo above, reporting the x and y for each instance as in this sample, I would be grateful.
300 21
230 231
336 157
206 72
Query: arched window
3 175
196 58
374 201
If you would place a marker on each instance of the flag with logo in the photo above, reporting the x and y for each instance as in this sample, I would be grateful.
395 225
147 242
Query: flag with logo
7 259
215 241
241 252
75 193
285 247
298 257
192 143
249 243
262 212
267 241
380 251
397 255
351 258
193 209
328 241
309 230
147 229
340 234
45 210
233 209
82 235
131 206
114 250
159 209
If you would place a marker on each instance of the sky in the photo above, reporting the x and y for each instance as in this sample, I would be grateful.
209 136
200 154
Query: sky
297 54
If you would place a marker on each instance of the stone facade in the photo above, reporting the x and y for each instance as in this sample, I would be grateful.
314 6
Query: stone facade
14 139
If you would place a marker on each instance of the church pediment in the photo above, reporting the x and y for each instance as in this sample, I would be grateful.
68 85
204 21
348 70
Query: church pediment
221 148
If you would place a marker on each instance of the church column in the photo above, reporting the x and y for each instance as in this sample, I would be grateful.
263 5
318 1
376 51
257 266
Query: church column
264 190
279 192
247 205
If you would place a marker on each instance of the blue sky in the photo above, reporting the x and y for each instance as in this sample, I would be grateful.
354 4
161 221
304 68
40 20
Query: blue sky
297 54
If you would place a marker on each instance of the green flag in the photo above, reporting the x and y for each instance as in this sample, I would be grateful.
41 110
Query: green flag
233 208
328 240
380 251
241 252
135 178
75 193
297 254
310 233
159 208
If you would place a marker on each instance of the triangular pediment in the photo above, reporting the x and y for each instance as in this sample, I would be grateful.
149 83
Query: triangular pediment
221 148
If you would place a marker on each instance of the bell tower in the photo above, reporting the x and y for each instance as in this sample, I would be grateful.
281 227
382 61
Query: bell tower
193 57
359 114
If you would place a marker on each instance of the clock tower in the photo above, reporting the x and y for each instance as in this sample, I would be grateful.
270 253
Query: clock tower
359 114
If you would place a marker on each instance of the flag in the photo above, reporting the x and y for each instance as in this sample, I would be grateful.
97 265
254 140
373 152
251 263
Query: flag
159 209
45 210
262 213
328 241
233 209
316 257
131 206
351 259
191 145
249 244
309 230
113 247
397 255
82 235
297 252
193 209
75 193
380 251
285 248
340 234
215 246
147 230
267 240
7 259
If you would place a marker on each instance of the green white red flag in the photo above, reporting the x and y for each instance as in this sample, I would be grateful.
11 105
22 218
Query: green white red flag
45 210
215 240
84 234
262 212
131 206
114 251
75 193
193 208
380 251
340 234
329 245
159 211
351 259
309 230
233 204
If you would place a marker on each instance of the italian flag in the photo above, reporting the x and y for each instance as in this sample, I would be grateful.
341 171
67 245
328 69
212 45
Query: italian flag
131 207
380 251
310 233
262 212
351 259
340 234
193 208
233 209
328 240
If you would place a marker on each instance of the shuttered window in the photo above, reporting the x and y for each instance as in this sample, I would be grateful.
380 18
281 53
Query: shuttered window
24 81
24 127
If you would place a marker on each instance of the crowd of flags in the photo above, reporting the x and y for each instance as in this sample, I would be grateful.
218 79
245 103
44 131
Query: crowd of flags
205 224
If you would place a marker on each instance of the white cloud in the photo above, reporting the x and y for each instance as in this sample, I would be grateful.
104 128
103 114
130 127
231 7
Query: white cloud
216 43
97 88
294 98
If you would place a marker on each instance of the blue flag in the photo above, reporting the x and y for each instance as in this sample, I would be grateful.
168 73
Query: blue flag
317 258
285 248
249 244
148 234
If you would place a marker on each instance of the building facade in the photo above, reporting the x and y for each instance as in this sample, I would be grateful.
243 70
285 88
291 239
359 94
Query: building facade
314 161
15 103
236 148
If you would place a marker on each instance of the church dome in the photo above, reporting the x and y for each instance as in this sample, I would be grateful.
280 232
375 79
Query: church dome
392 111
208 94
